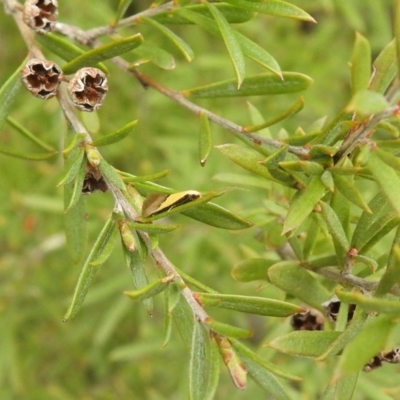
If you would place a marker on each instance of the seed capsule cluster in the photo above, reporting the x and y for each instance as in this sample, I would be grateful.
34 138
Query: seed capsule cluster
87 88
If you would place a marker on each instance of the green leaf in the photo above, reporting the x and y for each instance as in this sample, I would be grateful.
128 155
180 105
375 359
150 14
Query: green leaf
304 343
367 344
213 370
198 364
205 139
104 52
264 379
215 215
184 48
392 274
370 304
294 109
246 158
244 351
183 317
385 68
110 175
88 272
335 229
273 7
134 261
8 92
293 279
75 227
349 191
155 229
304 204
232 14
228 330
360 64
148 52
143 178
148 291
342 388
249 304
256 85
396 29
386 178
116 136
231 43
366 103
376 205
63 48
73 166
27 156
122 7
344 338
249 48
76 192
252 269
107 249
29 135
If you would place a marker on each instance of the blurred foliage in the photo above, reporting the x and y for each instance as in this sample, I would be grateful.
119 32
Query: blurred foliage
112 349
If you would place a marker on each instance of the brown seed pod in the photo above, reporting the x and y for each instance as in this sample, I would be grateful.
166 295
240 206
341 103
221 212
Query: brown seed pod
312 320
93 180
41 77
40 15
88 88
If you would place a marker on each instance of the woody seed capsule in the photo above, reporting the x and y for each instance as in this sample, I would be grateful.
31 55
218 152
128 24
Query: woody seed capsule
88 88
41 77
41 15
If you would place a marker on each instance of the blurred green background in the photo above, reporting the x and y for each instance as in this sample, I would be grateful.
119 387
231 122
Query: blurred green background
112 349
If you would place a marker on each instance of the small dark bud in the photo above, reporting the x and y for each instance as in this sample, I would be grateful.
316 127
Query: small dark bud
41 77
88 88
41 15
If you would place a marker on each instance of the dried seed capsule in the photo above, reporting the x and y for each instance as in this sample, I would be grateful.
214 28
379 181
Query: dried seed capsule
312 320
41 77
93 180
41 15
88 88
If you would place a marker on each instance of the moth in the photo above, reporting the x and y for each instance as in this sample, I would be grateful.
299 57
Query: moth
157 203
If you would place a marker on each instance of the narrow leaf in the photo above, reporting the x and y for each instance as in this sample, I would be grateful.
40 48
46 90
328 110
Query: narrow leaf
155 229
304 343
116 136
249 304
110 174
366 102
249 48
148 52
106 250
386 178
370 304
150 290
231 43
396 28
215 215
213 370
183 317
232 14
73 166
104 52
122 7
27 156
63 48
265 379
293 279
360 64
183 47
8 92
385 68
349 191
205 139
198 364
256 85
244 351
228 330
242 180
29 135
88 272
76 192
367 344
273 7
252 269
304 204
